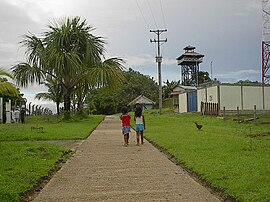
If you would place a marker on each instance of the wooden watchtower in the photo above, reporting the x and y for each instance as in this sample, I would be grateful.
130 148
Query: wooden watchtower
189 62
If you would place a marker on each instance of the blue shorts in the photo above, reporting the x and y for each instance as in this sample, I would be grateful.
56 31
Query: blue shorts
139 128
125 130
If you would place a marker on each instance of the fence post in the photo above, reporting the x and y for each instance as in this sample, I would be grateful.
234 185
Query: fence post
202 108
224 114
238 115
1 109
254 114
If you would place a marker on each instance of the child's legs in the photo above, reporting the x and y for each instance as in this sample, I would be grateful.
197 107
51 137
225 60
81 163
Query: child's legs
127 138
138 137
142 137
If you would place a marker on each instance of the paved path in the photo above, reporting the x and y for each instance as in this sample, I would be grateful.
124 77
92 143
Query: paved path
104 170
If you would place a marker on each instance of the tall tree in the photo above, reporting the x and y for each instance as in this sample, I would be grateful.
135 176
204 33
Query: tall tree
69 53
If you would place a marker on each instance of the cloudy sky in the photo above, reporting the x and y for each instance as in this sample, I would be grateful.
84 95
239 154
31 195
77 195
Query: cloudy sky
227 32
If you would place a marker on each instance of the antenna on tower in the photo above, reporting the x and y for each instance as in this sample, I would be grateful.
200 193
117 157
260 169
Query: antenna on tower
265 42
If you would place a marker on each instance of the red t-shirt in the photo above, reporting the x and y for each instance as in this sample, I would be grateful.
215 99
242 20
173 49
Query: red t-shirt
125 120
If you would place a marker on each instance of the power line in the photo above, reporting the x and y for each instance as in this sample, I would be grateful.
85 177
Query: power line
142 15
145 21
152 13
161 7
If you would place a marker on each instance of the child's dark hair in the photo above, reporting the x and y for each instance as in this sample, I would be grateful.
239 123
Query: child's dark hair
138 111
124 110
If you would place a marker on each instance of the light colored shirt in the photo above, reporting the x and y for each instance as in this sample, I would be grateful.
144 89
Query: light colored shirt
139 120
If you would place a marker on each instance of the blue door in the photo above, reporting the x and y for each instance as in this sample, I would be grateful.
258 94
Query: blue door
192 101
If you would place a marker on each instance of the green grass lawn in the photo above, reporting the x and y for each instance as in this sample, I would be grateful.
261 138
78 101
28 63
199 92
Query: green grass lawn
54 129
230 156
23 163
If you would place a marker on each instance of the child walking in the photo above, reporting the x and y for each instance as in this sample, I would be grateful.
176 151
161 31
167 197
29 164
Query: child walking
125 117
140 124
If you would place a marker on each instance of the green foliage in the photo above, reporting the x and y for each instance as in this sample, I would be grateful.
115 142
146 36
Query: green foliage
70 54
232 157
23 164
108 101
168 88
203 77
7 89
248 83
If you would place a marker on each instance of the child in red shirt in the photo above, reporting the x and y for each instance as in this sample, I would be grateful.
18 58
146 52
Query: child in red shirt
125 117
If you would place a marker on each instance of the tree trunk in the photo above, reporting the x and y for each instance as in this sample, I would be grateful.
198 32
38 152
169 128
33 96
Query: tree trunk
58 108
67 101
80 106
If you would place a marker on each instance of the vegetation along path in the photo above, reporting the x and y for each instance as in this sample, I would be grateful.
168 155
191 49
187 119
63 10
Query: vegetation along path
103 169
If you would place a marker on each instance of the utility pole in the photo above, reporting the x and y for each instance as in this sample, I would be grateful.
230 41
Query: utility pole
159 60
211 70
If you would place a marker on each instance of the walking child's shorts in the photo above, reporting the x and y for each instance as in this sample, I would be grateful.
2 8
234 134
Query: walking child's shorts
139 127
125 130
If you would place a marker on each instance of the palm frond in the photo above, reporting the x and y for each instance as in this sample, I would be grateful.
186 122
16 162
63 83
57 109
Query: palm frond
5 73
25 74
7 88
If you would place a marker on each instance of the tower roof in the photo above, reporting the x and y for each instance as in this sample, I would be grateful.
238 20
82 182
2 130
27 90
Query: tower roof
190 56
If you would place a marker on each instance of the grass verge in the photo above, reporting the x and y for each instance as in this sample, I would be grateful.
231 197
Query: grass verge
229 156
53 129
23 164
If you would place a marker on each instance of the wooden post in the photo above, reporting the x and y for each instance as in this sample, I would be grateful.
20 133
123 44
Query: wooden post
254 114
1 109
238 115
224 114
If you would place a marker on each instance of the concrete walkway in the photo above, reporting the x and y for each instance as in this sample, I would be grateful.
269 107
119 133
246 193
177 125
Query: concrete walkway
104 170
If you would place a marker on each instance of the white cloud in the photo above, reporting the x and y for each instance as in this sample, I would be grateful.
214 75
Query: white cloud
234 76
145 59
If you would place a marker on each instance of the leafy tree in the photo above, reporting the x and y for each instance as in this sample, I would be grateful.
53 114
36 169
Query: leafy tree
248 82
203 77
108 101
7 88
69 53
168 87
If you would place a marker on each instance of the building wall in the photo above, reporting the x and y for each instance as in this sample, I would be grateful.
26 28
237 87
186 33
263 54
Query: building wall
201 97
230 97
148 106
267 97
252 95
212 94
182 102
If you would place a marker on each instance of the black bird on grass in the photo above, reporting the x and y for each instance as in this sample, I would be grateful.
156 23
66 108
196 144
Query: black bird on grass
198 126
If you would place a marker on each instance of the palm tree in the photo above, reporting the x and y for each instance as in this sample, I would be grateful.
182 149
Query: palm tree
69 53
55 93
103 74
7 88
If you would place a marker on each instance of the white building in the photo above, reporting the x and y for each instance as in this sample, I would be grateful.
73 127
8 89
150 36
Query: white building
228 96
